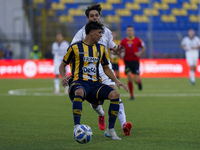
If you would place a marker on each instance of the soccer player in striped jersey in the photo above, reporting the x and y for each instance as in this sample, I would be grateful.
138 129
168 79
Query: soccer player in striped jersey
93 13
85 82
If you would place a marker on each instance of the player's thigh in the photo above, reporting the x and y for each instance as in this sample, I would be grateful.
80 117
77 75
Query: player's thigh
135 67
98 94
127 67
74 86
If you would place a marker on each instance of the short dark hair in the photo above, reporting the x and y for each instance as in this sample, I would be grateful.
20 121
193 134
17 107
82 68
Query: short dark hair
96 7
59 32
129 26
93 25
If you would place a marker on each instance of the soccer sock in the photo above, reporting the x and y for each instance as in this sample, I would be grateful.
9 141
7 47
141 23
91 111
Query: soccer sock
57 84
99 110
130 86
139 81
77 109
113 112
121 114
192 76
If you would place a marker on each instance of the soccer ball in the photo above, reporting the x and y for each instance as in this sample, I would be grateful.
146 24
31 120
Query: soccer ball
83 133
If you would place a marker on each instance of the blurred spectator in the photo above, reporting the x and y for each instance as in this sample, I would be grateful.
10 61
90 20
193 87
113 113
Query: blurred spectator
8 53
35 53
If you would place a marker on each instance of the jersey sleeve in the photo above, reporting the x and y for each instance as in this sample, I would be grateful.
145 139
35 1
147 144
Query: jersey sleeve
105 58
78 36
141 43
68 56
111 42
183 42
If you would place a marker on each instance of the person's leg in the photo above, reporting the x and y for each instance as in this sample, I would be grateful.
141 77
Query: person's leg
113 113
77 105
138 81
130 84
57 84
192 74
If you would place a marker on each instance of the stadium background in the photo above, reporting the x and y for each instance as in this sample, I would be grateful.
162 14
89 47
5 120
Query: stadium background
161 24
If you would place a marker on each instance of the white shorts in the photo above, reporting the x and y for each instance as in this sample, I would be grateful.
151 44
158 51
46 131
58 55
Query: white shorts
192 57
105 79
56 68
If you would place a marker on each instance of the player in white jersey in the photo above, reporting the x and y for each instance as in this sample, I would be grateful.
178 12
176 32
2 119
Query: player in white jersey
59 49
191 45
93 13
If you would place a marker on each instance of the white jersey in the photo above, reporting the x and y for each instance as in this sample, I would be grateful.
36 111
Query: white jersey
107 41
191 55
59 51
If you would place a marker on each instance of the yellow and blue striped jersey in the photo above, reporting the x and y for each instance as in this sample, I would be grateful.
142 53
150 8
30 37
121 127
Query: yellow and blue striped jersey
84 60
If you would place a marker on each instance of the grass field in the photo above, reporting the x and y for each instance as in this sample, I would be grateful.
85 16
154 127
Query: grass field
165 116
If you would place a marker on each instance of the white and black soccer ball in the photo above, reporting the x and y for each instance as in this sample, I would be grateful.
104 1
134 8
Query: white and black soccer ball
83 133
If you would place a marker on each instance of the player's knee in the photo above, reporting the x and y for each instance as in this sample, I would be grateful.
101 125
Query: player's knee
79 92
113 95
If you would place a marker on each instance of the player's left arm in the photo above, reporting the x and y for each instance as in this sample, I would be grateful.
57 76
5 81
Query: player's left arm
198 45
110 74
108 71
142 45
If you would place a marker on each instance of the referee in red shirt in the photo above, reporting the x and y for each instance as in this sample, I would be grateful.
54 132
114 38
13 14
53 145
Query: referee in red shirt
131 57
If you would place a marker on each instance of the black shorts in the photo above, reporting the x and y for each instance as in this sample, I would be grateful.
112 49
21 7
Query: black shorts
115 66
94 92
132 66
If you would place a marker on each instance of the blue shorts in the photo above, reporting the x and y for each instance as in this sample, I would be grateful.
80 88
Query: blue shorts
94 92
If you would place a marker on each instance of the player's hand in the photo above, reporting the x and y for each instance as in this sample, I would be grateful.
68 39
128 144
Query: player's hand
65 81
194 48
137 54
123 85
117 50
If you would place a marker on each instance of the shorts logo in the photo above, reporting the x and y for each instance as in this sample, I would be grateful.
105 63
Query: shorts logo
90 69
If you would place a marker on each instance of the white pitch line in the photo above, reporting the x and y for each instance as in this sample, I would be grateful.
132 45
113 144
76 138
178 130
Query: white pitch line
164 95
37 92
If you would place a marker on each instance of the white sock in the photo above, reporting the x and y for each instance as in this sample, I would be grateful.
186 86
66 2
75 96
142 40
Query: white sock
192 76
121 114
99 110
57 84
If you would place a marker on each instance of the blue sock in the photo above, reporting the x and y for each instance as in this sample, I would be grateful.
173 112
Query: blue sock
77 109
113 112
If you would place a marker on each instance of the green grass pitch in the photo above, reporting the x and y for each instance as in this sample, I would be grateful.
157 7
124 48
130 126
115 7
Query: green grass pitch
165 116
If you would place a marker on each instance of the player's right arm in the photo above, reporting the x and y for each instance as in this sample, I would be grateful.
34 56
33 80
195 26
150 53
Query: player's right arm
66 60
183 44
